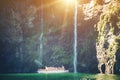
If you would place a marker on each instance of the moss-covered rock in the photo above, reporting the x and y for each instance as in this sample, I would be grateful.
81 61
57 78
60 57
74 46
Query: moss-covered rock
108 39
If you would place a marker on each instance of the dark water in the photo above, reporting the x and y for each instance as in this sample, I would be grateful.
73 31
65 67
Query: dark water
67 76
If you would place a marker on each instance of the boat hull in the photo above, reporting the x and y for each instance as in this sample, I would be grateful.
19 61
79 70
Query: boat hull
45 72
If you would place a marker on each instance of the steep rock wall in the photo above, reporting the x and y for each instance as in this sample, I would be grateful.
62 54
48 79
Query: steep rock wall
108 41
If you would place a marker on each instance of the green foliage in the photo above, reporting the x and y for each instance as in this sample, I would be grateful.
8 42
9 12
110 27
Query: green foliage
60 57
108 41
109 20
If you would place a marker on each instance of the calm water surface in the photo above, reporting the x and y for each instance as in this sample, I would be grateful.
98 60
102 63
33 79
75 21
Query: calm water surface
67 76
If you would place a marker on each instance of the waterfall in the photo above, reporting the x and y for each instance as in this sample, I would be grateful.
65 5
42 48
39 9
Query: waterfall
75 38
41 48
41 37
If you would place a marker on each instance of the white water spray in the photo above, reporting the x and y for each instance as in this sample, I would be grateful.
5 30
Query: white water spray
75 38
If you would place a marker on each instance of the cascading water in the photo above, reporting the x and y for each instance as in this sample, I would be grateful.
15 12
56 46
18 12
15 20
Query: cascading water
75 38
41 37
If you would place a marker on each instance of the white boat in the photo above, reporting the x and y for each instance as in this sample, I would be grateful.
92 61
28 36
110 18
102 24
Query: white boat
53 70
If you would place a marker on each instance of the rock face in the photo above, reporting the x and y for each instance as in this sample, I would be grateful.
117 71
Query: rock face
108 41
20 32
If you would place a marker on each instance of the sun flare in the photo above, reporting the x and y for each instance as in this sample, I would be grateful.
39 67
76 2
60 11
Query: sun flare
69 2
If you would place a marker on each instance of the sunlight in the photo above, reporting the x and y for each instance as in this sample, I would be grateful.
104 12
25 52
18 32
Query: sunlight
68 2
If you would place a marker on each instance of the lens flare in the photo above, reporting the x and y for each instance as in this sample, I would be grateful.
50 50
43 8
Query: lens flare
69 1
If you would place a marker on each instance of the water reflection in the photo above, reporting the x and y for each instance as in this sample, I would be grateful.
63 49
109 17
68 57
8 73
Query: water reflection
93 77
68 76
107 77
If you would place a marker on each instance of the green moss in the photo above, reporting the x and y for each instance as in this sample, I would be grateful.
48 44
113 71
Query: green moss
109 31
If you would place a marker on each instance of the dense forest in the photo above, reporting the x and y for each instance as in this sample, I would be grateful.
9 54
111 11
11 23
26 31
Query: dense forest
39 33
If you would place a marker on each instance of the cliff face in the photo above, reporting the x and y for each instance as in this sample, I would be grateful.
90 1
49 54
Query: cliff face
107 13
20 33
20 36
108 41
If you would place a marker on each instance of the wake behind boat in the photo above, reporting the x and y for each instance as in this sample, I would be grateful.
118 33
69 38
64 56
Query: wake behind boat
53 70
